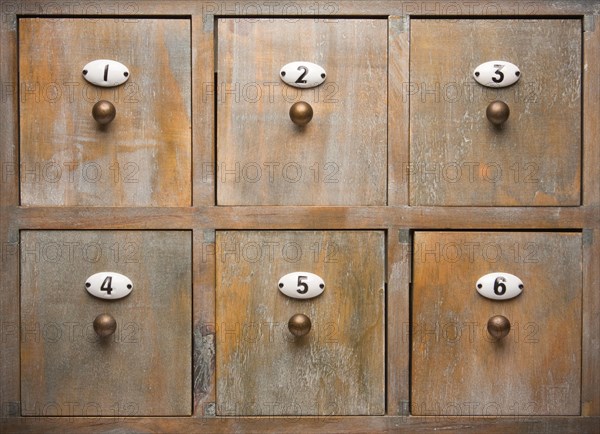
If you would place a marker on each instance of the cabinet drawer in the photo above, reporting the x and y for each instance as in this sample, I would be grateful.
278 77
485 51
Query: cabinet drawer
338 367
142 157
144 367
458 368
339 157
458 157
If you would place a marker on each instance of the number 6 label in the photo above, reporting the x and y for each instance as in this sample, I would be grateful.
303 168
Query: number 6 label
301 284
499 286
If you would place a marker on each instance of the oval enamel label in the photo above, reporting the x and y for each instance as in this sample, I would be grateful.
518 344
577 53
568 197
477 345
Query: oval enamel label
499 286
301 284
497 73
108 285
105 73
303 74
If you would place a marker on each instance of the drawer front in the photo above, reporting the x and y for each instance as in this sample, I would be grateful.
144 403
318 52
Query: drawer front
458 368
458 157
338 367
144 367
142 157
339 157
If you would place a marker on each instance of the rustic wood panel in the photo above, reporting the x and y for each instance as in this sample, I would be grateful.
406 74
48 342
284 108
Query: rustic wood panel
398 110
591 111
359 425
203 66
399 255
457 369
340 157
143 157
590 376
204 323
307 218
145 367
338 368
457 156
9 237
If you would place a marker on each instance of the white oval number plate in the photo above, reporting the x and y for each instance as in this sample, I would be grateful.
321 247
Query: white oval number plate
108 285
303 74
105 73
497 73
301 284
499 286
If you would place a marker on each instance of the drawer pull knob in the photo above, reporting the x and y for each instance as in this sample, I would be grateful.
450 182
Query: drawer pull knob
299 324
301 113
105 325
104 112
498 326
497 112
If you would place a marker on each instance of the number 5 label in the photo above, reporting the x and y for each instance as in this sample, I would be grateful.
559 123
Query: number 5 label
301 284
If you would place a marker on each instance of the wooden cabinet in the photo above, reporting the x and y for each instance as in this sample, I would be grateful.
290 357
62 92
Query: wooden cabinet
205 191
458 368
457 157
144 367
338 367
339 157
143 157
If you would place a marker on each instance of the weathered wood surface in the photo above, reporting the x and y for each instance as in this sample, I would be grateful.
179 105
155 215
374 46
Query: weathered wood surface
340 157
457 157
457 368
143 157
338 368
335 425
144 368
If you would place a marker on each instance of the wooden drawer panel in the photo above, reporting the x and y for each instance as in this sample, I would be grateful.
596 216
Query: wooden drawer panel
339 157
338 367
143 157
144 368
457 157
457 367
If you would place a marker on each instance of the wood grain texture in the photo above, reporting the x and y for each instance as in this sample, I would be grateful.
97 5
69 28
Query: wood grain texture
591 111
143 157
339 158
338 367
314 425
145 367
457 156
399 259
203 131
398 110
204 323
590 344
457 368
270 217
9 237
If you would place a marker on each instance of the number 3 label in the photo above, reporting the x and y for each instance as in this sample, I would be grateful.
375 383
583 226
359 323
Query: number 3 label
496 73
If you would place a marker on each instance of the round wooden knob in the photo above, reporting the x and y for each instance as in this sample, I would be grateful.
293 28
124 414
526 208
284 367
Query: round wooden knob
498 326
104 112
301 113
105 325
299 324
497 112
